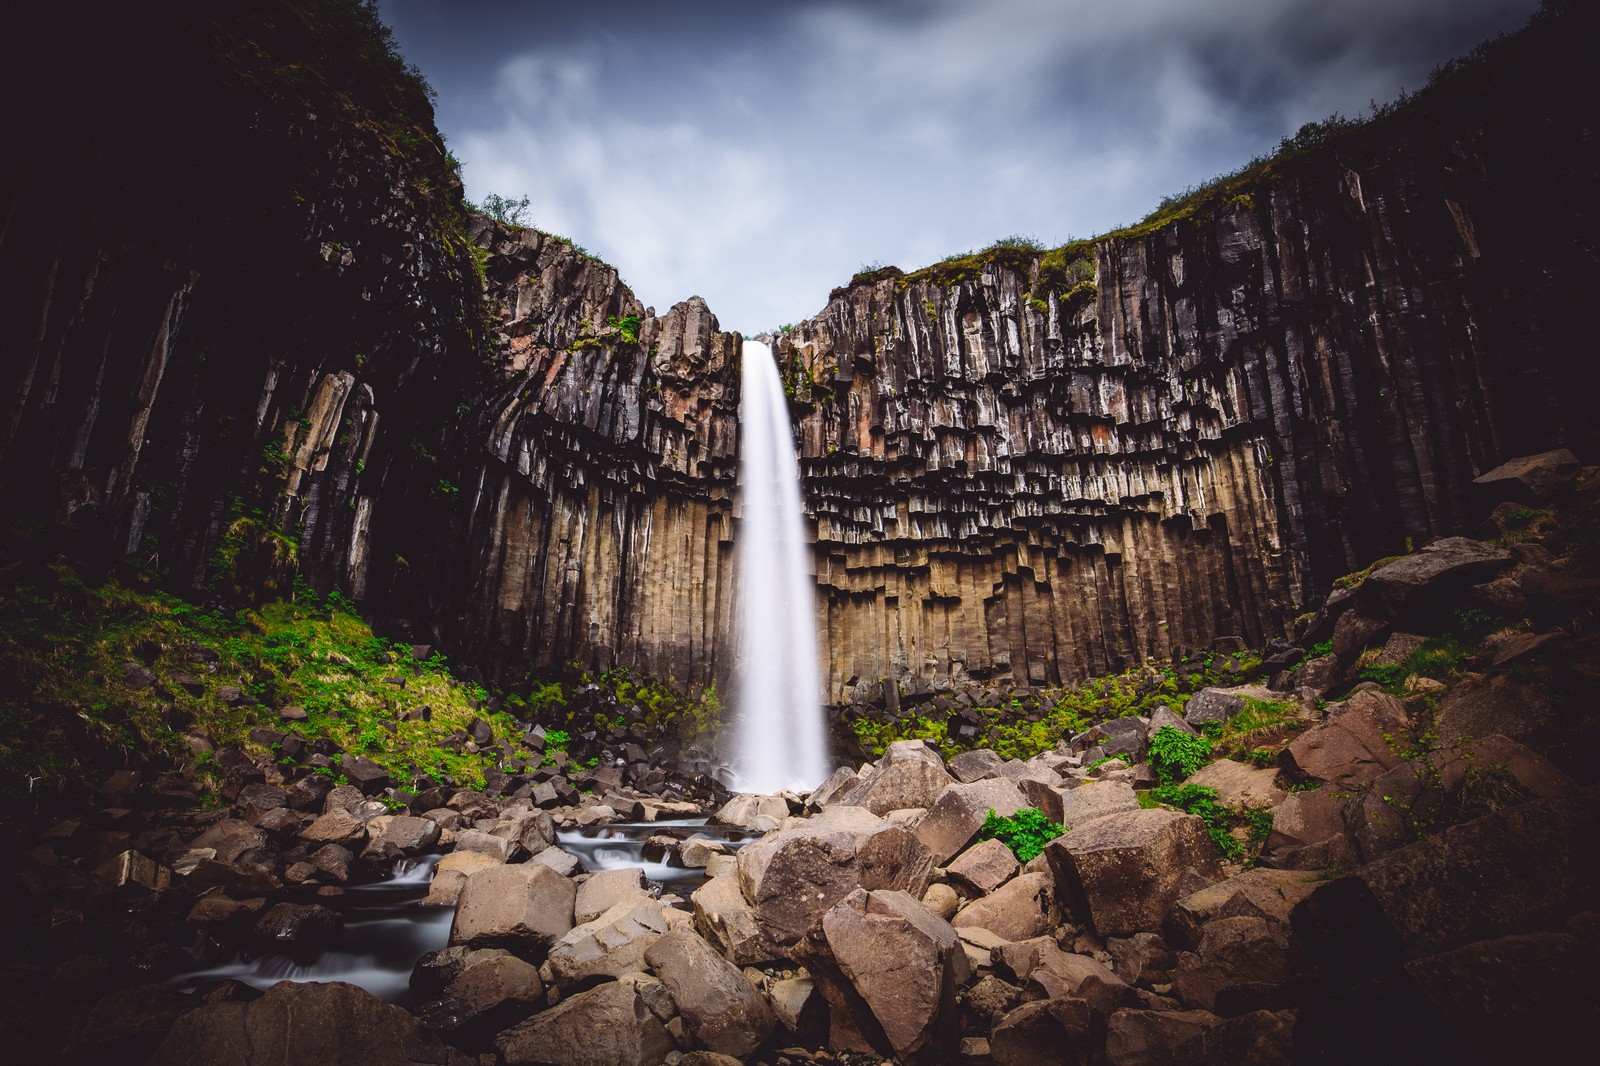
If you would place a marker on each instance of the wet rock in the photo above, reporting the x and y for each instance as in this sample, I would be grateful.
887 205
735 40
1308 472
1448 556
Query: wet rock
524 909
960 811
296 924
1122 873
304 1025
792 876
1021 908
983 867
609 1025
1359 740
721 1008
890 970
910 774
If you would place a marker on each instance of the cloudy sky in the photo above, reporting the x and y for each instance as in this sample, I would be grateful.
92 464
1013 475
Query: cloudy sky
758 153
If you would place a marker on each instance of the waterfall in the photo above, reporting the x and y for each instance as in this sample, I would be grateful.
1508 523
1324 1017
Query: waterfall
782 742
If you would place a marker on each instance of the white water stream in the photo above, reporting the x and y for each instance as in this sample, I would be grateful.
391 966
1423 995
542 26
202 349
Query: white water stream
782 740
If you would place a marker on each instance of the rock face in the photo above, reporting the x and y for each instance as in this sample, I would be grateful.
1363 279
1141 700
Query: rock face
1016 464
1121 873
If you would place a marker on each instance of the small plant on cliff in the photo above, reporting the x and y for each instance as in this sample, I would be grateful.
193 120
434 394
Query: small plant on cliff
627 325
505 210
1025 833
1175 754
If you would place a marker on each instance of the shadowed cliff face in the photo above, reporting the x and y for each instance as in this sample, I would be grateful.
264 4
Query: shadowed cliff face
269 349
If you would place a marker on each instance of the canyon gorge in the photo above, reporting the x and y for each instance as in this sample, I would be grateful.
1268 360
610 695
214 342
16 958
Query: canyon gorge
1021 465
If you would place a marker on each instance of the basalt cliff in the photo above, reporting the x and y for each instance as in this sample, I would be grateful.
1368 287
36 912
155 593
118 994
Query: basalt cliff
288 348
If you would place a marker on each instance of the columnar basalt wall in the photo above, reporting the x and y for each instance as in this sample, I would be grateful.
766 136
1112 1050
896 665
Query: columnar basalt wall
1036 468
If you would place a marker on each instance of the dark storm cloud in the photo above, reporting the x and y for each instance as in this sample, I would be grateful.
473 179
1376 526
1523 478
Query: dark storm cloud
759 153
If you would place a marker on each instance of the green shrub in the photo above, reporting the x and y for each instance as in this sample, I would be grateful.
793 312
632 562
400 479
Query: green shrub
1175 754
1025 833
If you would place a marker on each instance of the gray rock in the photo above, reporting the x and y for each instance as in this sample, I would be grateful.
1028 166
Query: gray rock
609 1025
601 891
910 774
524 909
960 811
1122 873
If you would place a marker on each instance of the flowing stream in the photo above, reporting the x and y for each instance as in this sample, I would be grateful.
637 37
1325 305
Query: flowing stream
782 740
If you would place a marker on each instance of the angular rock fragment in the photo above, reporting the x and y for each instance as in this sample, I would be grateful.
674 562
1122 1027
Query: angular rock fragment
609 1025
960 811
910 774
524 909
720 1006
1122 873
1022 908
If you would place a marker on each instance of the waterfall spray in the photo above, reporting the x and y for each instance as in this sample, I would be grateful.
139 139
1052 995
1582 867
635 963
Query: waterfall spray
782 742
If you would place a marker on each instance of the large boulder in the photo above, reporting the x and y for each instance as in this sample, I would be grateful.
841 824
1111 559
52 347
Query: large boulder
601 891
1259 893
524 909
1137 1037
791 877
390 836
488 992
297 1024
983 867
1360 739
725 918
1084 804
609 1025
1501 704
721 1007
450 874
1121 873
1396 589
910 774
1022 908
970 766
755 812
1241 964
1239 784
889 969
1050 973
960 811
1503 873
1530 478
613 943
1308 831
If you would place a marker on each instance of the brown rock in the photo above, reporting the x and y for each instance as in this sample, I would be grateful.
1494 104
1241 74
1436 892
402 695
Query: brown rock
1495 875
1359 740
451 873
1501 704
1152 1037
1530 478
721 1007
983 867
524 909
1239 785
910 774
1041 1033
1260 1038
960 811
1096 800
830 791
1121 874
1020 909
394 835
725 918
231 839
486 995
942 900
1243 964
609 1025
613 943
890 970
336 827
791 877
298 1024
970 766
1446 564
601 891
1308 830
1260 893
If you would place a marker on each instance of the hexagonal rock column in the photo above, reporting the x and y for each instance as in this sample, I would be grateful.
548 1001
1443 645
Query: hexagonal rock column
1121 873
